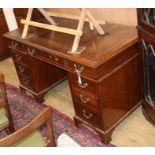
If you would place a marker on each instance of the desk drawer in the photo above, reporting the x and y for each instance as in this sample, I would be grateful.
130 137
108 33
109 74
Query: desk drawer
17 46
19 57
51 58
86 85
21 69
88 115
85 71
27 82
87 99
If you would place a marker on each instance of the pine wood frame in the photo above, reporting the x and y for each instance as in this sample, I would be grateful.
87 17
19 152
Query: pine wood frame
85 16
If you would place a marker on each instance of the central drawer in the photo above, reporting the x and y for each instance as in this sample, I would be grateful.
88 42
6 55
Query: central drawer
46 56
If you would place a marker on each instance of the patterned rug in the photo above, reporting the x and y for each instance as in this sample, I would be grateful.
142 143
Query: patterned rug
24 108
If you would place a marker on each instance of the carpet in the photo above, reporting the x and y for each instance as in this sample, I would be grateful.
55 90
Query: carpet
24 108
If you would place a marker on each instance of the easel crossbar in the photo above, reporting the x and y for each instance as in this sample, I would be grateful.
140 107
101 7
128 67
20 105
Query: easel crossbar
70 16
53 27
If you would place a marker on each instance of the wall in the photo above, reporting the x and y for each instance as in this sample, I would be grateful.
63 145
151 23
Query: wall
126 16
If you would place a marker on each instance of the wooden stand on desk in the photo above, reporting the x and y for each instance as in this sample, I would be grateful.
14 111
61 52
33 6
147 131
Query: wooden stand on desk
54 27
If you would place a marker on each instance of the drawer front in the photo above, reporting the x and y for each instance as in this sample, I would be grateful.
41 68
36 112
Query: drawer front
88 115
17 46
87 99
27 82
84 70
51 58
85 84
21 69
19 57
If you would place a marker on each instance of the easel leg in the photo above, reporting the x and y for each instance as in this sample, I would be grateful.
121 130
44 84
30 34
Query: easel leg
43 12
94 22
80 27
29 14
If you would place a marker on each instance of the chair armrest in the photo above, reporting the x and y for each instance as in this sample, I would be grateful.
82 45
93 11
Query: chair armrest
42 118
1 77
2 104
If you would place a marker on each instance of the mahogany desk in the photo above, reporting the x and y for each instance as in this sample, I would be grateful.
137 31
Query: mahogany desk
109 88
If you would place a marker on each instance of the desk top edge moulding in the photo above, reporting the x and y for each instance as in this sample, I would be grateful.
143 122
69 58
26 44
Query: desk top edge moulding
84 16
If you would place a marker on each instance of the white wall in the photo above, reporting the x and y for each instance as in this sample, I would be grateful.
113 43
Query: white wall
10 18
126 16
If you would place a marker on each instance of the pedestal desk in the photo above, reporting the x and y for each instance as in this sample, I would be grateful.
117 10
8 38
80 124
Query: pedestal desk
104 79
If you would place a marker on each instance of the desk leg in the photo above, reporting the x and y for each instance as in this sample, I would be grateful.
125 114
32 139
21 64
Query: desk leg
39 97
77 123
104 135
23 91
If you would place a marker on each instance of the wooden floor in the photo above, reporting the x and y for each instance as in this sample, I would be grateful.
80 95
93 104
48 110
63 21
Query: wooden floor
134 131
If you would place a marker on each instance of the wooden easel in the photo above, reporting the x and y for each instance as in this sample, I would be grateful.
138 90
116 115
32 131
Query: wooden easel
85 16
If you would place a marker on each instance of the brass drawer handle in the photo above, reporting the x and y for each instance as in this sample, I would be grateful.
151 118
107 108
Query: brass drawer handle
84 99
31 51
21 69
18 57
78 69
88 116
56 58
14 45
25 81
53 57
83 85
50 56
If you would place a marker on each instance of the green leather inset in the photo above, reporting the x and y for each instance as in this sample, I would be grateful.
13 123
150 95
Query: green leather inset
35 139
3 118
